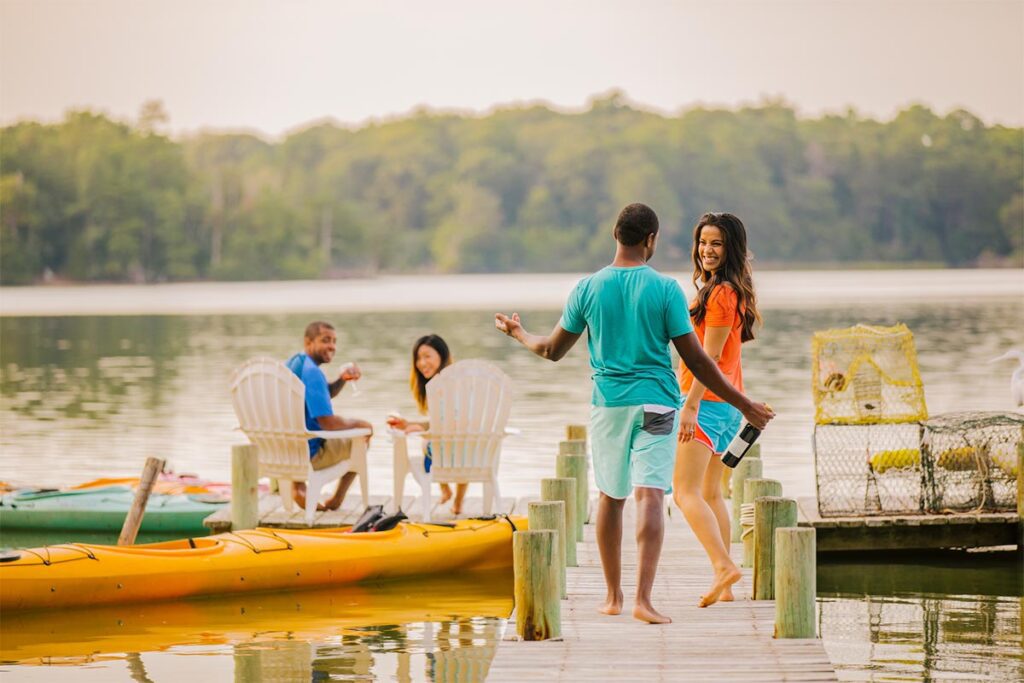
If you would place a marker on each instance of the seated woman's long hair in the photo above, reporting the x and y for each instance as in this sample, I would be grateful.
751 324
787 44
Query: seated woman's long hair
735 271
417 382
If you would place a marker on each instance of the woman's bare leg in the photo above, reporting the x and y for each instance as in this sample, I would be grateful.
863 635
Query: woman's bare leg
691 465
446 493
460 494
711 491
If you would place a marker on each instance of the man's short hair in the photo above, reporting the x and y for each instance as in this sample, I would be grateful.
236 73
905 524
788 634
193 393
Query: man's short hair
635 223
313 329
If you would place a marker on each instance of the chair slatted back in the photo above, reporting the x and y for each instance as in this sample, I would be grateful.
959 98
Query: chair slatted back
269 401
469 404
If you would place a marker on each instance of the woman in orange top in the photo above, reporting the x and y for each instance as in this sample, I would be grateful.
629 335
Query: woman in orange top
724 313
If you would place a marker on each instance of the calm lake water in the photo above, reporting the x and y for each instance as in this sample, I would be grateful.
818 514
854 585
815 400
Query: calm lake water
94 379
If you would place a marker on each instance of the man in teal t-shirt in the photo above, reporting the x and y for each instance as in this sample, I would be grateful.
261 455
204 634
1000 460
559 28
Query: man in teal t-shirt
631 313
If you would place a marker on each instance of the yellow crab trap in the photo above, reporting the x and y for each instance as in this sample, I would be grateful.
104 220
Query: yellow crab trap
875 450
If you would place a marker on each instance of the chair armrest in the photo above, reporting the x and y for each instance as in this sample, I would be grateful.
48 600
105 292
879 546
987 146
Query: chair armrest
339 433
401 434
513 431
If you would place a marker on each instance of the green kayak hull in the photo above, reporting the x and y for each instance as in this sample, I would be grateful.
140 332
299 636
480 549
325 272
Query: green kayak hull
104 510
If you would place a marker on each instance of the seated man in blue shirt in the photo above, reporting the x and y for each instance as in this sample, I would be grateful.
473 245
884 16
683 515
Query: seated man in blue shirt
320 344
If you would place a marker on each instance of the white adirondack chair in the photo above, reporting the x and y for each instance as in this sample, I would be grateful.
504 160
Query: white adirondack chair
269 401
469 403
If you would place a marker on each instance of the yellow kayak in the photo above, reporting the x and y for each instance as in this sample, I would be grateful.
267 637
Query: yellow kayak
263 559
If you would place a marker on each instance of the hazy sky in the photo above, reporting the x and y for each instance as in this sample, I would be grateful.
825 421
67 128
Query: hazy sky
275 66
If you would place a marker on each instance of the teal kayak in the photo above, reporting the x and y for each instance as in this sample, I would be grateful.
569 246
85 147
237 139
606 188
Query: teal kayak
105 509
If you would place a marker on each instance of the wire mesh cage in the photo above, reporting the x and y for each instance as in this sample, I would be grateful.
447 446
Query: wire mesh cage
869 405
970 461
876 452
866 375
869 469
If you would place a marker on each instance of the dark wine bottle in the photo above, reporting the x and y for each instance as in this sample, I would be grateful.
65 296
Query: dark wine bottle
740 444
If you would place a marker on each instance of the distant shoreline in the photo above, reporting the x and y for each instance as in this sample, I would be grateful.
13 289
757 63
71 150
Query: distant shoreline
490 292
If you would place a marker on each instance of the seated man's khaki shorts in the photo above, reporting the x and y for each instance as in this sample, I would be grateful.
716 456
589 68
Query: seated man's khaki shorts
331 452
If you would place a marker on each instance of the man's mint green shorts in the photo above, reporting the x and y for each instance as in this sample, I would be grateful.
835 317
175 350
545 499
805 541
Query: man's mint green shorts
633 446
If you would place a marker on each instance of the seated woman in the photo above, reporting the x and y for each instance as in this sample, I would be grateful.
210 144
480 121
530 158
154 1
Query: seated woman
430 355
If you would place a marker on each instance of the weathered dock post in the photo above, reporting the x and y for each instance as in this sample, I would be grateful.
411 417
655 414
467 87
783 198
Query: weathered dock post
729 473
795 583
538 610
564 489
749 468
770 513
150 471
752 490
550 516
245 473
572 447
575 467
576 433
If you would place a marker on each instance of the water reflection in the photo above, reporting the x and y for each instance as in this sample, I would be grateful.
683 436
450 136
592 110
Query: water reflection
436 629
940 616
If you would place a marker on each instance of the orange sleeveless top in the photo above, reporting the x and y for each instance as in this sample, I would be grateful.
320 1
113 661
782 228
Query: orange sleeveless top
721 312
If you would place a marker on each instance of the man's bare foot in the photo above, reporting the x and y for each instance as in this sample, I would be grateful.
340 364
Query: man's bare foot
723 579
612 605
645 612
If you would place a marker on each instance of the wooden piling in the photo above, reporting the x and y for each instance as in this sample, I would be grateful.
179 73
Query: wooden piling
575 467
795 583
245 475
538 610
150 471
564 489
550 516
574 432
752 490
729 473
572 447
749 468
770 513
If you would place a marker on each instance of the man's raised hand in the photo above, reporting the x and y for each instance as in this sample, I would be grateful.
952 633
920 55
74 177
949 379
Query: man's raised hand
506 324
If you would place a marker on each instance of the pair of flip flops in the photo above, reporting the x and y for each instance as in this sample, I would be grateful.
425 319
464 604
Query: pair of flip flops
374 519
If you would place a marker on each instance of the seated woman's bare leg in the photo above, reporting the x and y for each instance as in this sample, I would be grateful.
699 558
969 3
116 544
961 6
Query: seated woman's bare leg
460 495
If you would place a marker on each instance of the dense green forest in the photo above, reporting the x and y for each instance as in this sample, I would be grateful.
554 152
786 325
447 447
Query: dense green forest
521 189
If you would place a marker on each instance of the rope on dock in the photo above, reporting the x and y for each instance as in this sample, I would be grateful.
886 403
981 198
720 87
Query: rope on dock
746 519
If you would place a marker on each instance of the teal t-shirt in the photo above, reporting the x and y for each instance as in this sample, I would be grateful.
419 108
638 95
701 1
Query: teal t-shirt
631 315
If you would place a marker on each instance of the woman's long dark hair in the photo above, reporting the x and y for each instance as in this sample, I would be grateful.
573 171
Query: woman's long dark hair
734 271
417 381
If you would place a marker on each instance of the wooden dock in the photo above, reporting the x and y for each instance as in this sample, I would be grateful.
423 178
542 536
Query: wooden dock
909 532
273 514
725 642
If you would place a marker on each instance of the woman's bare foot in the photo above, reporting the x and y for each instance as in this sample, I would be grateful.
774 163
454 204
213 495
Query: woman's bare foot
456 509
723 579
726 595
446 493
645 612
613 605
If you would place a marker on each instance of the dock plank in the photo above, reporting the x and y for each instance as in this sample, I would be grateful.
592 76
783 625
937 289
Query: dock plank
725 642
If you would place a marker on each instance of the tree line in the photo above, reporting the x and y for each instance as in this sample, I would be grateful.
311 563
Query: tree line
521 189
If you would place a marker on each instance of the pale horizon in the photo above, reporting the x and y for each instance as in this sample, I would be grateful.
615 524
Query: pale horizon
271 68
